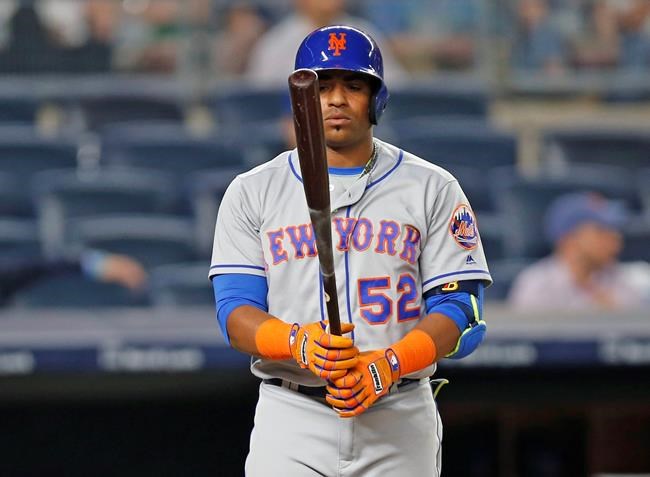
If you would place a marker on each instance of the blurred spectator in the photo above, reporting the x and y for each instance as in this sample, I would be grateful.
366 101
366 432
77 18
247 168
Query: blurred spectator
272 58
538 43
30 47
148 39
19 273
244 25
94 54
598 45
155 35
40 41
583 273
426 34
633 18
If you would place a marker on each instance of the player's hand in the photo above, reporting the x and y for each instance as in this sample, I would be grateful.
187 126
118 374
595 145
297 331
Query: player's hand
371 378
327 356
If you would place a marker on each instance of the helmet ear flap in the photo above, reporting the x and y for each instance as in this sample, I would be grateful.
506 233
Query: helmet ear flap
378 102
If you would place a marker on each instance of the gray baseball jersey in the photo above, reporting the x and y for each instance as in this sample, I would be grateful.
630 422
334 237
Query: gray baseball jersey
398 231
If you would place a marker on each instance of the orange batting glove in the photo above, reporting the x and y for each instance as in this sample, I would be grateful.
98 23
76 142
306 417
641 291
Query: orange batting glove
327 356
370 379
377 370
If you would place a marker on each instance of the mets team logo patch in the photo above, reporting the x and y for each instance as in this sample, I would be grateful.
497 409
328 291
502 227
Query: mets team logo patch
462 227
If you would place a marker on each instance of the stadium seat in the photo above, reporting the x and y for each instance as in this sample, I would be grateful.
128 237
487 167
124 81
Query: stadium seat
14 200
240 106
475 186
267 142
62 195
19 237
458 142
522 202
643 182
77 291
152 239
636 241
102 110
166 147
621 148
23 151
491 231
182 284
409 102
18 110
206 188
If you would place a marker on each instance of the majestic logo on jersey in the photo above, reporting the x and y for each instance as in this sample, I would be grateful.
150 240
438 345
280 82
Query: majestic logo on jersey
470 260
360 234
462 227
376 379
337 43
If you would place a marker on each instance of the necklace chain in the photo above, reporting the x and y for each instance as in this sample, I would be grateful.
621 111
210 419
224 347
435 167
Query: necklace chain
371 162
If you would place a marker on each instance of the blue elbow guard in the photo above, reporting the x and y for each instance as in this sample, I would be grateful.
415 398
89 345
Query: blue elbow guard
469 340
473 335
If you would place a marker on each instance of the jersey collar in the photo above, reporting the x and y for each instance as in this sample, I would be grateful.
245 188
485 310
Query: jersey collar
388 160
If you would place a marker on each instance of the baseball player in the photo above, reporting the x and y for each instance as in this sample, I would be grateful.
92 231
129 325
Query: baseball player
410 275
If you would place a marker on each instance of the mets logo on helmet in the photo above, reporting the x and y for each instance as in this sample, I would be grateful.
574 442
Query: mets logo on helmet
337 43
462 227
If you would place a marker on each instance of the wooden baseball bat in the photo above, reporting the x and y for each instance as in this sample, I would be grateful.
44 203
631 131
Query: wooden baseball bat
310 137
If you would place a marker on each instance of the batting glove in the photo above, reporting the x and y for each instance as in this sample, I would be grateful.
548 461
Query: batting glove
371 378
327 356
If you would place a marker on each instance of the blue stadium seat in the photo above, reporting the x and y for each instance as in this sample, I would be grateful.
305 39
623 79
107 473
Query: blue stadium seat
206 188
19 237
522 202
24 151
240 106
490 227
63 195
643 182
14 200
18 110
409 102
636 241
151 239
114 107
77 291
166 147
475 186
182 284
622 148
267 142
504 273
459 142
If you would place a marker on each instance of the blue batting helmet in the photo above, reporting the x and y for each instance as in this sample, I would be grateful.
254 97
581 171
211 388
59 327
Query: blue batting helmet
346 48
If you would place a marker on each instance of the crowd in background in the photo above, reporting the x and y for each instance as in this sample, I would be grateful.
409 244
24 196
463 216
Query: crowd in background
254 42
228 38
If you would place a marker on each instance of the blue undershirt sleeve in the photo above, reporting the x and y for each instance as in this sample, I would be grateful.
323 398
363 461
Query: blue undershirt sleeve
236 289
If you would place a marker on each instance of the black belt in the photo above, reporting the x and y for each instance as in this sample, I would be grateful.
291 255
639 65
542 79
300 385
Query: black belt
320 391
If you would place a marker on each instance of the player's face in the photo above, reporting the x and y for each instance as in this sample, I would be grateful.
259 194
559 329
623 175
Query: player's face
344 99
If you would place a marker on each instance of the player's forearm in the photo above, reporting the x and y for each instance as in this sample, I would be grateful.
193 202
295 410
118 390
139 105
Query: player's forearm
434 337
244 325
443 331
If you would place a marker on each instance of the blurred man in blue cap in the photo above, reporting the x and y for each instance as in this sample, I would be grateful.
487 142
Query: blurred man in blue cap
583 272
